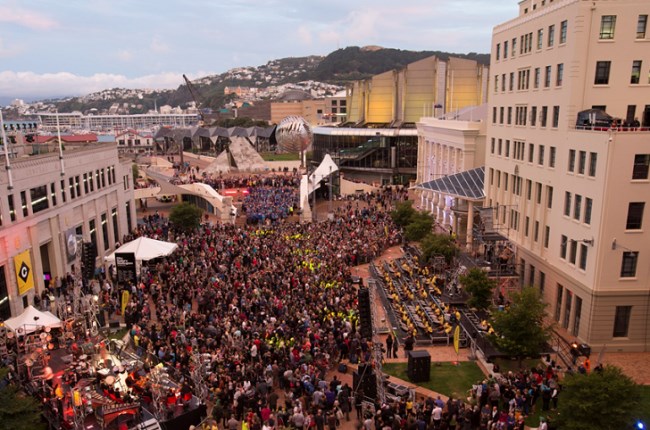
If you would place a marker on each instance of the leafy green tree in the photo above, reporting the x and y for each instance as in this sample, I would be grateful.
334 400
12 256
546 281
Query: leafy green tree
480 286
185 216
419 226
403 213
607 400
135 171
18 411
520 330
438 244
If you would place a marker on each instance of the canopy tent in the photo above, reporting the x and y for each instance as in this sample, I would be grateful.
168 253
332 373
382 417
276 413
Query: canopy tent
145 249
31 320
310 183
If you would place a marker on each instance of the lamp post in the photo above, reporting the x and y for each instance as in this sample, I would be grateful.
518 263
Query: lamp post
329 209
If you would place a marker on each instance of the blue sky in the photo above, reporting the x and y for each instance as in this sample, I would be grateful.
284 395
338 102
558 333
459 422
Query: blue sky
73 47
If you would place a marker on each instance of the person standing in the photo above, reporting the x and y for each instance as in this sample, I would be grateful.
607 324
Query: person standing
389 346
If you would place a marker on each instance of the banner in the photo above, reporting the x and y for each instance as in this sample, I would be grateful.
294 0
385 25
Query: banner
125 265
457 338
24 272
71 244
125 300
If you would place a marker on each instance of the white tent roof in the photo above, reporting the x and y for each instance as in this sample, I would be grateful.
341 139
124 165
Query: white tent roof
31 320
145 249
309 183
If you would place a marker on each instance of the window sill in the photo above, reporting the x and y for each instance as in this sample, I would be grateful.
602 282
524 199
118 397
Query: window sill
626 279
633 231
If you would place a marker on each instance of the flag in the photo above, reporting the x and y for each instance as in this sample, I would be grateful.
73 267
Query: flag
24 272
457 338
125 300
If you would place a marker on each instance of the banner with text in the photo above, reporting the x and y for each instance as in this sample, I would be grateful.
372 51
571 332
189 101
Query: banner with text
125 265
24 272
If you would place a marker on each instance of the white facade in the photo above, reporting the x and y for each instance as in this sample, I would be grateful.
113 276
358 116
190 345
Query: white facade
575 199
447 147
89 192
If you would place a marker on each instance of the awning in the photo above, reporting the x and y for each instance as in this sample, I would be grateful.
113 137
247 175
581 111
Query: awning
467 185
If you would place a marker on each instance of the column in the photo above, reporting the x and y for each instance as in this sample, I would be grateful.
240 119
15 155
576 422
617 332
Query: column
470 225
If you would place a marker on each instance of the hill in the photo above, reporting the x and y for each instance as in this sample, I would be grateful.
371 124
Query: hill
274 77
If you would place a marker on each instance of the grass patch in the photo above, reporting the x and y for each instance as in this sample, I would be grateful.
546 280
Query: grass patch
444 378
119 334
506 365
272 156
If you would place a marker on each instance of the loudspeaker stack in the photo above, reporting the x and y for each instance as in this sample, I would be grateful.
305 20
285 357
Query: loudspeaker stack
365 314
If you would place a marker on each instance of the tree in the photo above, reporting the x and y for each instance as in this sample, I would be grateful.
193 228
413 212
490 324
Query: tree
480 286
403 213
605 399
18 411
419 226
438 244
520 330
135 171
185 216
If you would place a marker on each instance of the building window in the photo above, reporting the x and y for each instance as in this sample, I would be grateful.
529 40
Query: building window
531 152
628 264
23 202
537 77
529 189
593 159
635 216
563 30
559 75
533 116
501 114
568 299
496 83
544 117
39 198
62 190
509 115
538 197
498 51
536 231
85 179
77 185
582 160
641 164
500 147
551 157
72 193
12 209
492 145
558 302
563 247
507 148
531 275
572 160
635 76
503 82
551 35
105 231
540 155
556 116
577 207
583 256
540 38
52 194
494 121
116 233
505 49
92 229
511 83
641 26
622 321
514 46
573 250
527 224
607 26
542 282
588 205
567 203
547 236
602 72
576 317
549 197
547 77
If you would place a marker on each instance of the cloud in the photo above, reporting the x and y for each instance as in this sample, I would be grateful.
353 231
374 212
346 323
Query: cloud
124 55
32 86
158 45
26 18
304 35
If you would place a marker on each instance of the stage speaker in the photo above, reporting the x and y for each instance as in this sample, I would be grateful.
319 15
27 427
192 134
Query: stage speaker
114 325
419 366
365 314
364 379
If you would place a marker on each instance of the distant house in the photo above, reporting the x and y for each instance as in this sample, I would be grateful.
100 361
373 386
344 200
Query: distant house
133 142
50 143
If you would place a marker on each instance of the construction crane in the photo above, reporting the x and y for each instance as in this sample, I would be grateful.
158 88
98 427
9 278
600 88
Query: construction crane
198 100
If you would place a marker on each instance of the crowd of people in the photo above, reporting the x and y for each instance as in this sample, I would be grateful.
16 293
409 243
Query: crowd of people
267 309
270 203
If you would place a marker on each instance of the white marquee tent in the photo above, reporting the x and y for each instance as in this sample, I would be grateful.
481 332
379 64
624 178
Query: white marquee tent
31 320
145 249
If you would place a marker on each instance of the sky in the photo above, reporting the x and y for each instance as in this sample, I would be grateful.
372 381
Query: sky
74 47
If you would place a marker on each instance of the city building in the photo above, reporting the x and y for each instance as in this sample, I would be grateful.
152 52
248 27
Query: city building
47 204
566 180
378 143
134 142
451 155
77 121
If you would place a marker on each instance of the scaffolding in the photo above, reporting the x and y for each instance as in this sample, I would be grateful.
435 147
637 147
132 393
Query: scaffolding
378 354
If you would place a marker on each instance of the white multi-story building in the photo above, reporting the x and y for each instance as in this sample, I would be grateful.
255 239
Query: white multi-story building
46 204
78 121
572 193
